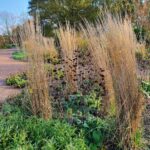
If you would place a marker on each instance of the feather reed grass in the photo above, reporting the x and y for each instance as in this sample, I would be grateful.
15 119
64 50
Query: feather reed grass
113 46
68 43
38 83
100 61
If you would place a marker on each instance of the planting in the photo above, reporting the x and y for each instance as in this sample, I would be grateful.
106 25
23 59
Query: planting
74 131
86 85
17 80
19 55
19 131
95 96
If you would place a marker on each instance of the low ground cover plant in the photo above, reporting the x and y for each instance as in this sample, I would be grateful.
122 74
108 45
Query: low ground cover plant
20 129
17 80
146 88
19 55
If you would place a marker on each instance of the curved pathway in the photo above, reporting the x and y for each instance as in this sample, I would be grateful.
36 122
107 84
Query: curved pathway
8 66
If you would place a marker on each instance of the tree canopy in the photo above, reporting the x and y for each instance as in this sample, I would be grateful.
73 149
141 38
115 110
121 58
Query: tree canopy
55 12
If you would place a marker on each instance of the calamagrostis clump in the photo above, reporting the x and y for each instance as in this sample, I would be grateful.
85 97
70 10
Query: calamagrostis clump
121 46
100 60
38 82
68 42
113 46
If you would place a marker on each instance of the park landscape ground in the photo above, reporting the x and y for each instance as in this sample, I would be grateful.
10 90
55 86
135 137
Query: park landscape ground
8 66
34 65
77 81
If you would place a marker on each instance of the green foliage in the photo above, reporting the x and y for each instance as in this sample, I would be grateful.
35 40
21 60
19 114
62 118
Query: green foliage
139 56
83 112
146 88
55 12
19 131
19 55
142 33
79 106
137 138
49 59
18 80
53 72
98 132
84 131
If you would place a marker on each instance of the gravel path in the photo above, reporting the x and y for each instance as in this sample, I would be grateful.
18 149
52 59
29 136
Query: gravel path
8 66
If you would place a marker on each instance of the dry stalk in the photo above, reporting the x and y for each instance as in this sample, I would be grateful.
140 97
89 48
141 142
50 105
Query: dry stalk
68 42
99 57
50 48
38 85
113 46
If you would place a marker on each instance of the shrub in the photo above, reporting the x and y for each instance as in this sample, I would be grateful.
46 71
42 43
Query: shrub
83 112
19 55
17 80
5 42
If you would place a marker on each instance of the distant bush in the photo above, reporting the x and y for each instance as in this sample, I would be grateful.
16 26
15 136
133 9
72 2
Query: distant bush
18 80
19 55
5 42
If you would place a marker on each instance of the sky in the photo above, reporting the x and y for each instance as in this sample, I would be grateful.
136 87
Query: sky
16 7
14 10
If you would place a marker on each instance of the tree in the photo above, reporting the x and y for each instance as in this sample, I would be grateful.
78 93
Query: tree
7 21
55 12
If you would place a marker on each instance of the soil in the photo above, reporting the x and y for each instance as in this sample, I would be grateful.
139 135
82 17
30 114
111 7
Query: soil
8 66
